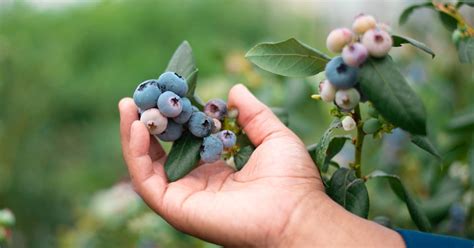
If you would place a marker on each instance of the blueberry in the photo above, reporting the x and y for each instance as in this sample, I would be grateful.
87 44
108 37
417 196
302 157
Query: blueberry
200 125
378 42
337 39
186 112
169 104
171 81
348 123
371 126
154 121
339 74
363 23
354 54
211 149
227 137
172 132
146 94
195 109
327 91
216 125
347 99
216 108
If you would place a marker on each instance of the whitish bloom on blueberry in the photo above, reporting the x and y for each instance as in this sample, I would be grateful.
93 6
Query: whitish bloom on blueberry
327 91
363 23
340 74
378 42
172 132
347 99
154 121
354 54
169 104
228 138
171 81
211 149
200 125
348 123
186 112
146 94
338 38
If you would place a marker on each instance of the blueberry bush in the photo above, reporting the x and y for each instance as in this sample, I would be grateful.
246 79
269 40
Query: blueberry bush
365 74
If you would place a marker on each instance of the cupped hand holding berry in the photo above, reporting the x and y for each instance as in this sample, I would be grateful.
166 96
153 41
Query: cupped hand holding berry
277 199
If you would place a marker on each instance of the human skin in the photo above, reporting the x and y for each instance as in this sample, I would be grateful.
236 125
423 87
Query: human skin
276 200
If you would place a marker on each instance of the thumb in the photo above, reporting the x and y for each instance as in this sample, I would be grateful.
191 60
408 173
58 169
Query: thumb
257 120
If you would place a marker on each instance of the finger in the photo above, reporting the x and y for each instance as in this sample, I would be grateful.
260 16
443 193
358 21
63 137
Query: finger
128 114
156 151
150 183
257 120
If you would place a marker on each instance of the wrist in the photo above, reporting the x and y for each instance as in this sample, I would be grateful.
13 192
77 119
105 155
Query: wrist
320 221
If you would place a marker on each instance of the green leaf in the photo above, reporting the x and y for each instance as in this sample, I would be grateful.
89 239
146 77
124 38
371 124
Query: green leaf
399 40
289 58
320 151
424 143
242 156
197 101
183 156
448 21
462 122
391 95
466 50
349 191
192 81
408 11
335 146
282 114
182 61
416 213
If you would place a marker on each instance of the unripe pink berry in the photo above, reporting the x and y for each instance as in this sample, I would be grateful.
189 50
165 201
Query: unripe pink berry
217 126
327 91
378 42
348 123
347 99
154 121
354 54
363 23
338 38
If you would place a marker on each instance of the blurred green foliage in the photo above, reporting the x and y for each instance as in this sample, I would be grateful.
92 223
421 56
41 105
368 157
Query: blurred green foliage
62 72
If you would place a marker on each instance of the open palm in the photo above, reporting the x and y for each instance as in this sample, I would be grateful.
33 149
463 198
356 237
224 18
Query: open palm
251 207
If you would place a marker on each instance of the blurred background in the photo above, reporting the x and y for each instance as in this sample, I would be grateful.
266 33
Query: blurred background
64 65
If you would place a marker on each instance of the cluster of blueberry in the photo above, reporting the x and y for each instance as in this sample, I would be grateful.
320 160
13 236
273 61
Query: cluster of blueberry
367 38
167 113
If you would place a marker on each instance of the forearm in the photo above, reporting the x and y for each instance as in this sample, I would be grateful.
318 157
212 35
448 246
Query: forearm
324 223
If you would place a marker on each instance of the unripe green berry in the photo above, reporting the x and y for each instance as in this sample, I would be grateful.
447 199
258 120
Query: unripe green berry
371 126
372 112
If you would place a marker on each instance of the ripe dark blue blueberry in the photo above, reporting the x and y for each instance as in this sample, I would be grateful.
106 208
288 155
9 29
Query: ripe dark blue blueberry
169 104
216 108
186 112
339 74
146 94
171 81
200 125
172 132
227 137
211 149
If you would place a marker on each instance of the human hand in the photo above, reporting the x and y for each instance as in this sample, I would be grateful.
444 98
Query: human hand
272 201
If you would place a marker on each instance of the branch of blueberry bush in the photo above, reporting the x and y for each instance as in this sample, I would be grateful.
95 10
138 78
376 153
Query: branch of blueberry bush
462 33
370 97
